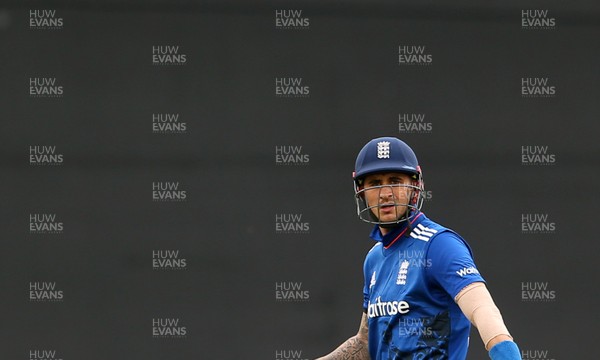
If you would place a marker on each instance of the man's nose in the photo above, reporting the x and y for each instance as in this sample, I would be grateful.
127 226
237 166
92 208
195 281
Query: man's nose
385 192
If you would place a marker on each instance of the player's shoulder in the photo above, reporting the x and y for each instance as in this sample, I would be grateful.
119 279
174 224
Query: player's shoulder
376 246
429 230
374 254
430 224
373 257
426 229
435 228
447 241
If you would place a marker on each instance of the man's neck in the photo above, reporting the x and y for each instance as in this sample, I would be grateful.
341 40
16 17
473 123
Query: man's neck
384 231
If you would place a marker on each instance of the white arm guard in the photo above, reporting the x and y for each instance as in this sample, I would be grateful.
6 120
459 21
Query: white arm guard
478 306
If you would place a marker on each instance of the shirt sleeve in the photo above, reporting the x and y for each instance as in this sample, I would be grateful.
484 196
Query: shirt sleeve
366 286
452 265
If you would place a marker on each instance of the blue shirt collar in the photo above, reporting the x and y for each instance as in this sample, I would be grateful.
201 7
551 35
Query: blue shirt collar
389 237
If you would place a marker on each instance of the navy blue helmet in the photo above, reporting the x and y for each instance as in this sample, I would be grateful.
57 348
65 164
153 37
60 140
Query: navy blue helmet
385 155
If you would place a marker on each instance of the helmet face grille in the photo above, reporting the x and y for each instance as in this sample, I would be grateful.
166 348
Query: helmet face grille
398 208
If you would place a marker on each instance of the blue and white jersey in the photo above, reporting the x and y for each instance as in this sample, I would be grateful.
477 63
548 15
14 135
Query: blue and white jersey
412 276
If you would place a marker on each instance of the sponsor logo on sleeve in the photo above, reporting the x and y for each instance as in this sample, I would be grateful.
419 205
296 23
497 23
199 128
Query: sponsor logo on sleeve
471 270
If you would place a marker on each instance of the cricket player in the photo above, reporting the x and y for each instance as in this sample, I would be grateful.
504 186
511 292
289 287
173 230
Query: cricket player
422 289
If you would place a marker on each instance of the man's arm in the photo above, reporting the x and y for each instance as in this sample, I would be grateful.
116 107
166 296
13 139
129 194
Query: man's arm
355 348
478 306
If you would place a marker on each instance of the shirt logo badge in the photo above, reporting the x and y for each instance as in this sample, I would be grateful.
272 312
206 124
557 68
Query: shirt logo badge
402 273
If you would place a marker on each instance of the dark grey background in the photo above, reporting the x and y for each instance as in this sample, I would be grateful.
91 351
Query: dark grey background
226 163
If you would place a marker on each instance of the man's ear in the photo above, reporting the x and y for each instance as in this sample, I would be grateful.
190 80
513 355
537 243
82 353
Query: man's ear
360 188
